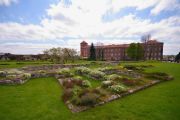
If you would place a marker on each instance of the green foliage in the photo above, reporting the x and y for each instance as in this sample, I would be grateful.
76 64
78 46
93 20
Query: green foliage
135 51
65 71
92 52
97 74
117 88
26 75
89 99
106 83
82 70
114 77
86 83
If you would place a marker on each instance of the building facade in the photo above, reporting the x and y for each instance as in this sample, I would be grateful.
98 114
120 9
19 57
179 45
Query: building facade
153 50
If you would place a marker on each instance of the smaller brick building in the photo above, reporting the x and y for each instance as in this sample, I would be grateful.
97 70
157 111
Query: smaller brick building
153 50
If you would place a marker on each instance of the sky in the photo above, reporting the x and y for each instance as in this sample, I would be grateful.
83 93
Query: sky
31 26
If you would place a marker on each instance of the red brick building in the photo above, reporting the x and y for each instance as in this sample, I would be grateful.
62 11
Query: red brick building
153 50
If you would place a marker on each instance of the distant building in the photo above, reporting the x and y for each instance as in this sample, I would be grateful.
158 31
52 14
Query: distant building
153 50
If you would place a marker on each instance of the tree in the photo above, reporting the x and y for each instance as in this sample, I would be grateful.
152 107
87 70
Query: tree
135 51
60 55
139 52
177 58
144 39
92 52
131 51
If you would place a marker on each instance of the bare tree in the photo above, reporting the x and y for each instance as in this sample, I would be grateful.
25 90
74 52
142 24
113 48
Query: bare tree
144 39
60 55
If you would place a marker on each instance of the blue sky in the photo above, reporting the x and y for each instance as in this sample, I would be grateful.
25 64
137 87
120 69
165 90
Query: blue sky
31 26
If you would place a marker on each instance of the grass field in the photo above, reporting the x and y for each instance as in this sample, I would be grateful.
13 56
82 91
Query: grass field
40 99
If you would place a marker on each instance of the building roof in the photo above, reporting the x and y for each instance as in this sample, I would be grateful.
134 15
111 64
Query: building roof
113 46
83 42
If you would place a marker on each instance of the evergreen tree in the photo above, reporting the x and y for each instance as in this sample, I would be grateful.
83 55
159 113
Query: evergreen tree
92 52
177 58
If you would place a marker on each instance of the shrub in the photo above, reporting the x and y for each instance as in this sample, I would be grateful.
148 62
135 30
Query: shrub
68 84
3 73
114 77
106 84
82 70
42 71
76 100
67 95
133 67
14 71
117 88
86 83
76 90
97 74
77 82
11 76
129 82
26 75
65 71
89 99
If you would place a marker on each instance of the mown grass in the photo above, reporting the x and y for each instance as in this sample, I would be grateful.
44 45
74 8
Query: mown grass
40 99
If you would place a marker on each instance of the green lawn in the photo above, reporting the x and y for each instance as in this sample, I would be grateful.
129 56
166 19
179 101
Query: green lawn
40 99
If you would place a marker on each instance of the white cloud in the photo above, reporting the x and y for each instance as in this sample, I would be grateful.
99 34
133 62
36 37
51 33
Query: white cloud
165 5
7 2
83 20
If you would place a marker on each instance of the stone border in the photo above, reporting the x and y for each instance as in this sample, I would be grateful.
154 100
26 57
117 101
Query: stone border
76 109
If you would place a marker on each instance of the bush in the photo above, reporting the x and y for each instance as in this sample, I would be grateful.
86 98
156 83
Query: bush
114 77
89 99
11 77
106 84
76 90
3 73
65 71
129 82
42 71
82 70
26 75
97 74
68 84
67 95
117 88
133 67
86 83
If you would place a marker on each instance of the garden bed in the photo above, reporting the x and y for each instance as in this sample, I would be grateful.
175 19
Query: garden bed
76 80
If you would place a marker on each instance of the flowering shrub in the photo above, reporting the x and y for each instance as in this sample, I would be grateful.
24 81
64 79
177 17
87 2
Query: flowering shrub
11 77
97 74
26 75
86 83
114 77
117 88
82 70
65 71
106 84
